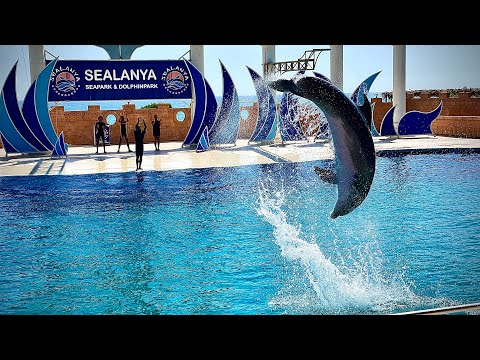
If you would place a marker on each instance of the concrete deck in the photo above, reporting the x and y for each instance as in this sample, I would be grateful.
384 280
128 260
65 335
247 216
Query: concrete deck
83 160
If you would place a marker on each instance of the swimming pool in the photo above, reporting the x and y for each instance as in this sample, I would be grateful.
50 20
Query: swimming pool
241 240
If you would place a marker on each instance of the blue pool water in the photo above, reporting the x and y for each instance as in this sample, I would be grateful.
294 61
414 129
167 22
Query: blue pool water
241 240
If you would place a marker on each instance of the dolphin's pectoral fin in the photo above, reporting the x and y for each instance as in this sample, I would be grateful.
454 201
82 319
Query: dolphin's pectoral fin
326 175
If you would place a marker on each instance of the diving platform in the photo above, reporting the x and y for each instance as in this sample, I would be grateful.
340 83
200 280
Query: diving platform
306 62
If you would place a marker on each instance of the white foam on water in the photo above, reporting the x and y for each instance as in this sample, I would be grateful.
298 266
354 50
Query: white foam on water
353 286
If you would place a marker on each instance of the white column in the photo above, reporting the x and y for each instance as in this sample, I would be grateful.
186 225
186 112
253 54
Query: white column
37 60
268 56
399 92
336 65
197 58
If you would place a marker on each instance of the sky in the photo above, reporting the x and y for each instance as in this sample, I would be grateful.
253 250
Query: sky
428 66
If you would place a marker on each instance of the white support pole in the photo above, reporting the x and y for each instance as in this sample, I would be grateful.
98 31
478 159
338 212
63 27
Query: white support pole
399 92
37 60
336 65
268 57
197 58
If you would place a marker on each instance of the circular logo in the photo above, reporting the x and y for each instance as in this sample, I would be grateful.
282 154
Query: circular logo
175 80
65 81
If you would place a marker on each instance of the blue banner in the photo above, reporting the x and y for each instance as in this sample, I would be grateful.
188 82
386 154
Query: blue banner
77 80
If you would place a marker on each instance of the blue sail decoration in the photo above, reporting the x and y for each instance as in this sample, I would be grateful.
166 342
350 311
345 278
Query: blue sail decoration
203 144
360 98
372 128
323 131
290 127
234 123
226 125
41 105
387 129
363 89
30 115
7 146
266 108
294 113
60 148
29 130
11 104
417 122
8 128
205 106
273 131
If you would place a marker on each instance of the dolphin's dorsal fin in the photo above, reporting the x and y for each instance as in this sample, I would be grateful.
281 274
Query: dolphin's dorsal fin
326 175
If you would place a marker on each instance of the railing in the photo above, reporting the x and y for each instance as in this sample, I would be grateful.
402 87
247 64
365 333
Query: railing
183 56
306 62
45 52
444 310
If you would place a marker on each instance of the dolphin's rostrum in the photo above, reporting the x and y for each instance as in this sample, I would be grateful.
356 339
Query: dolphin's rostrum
354 149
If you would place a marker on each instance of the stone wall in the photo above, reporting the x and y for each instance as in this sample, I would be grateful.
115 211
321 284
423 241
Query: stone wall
457 126
78 125
248 125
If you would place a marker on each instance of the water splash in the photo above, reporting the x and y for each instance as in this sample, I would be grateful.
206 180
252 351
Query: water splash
355 285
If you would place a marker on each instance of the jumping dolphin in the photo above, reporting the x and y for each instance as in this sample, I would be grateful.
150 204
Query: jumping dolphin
354 149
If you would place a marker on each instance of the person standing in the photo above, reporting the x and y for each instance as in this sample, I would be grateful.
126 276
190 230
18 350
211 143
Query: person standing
156 132
100 132
139 136
123 133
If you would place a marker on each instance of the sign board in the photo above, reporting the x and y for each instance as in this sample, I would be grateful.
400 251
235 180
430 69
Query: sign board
79 80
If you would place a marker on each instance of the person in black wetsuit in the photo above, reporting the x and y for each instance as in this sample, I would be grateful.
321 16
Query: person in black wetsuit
156 132
100 132
123 133
139 135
